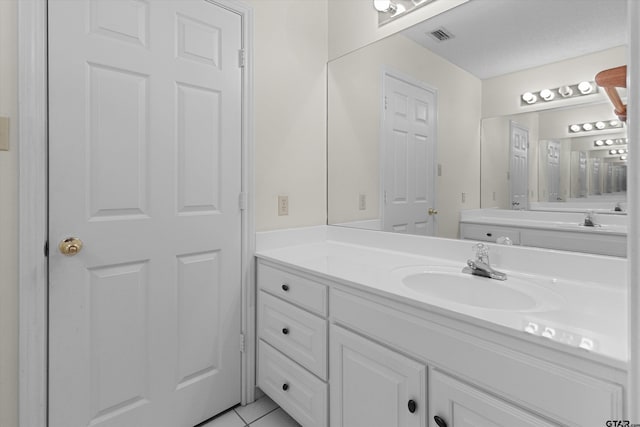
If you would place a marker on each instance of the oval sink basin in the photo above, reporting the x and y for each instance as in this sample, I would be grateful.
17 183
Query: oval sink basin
451 284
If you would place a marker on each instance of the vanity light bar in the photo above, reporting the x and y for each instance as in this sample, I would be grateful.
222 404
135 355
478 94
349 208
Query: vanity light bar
620 151
595 126
562 92
606 142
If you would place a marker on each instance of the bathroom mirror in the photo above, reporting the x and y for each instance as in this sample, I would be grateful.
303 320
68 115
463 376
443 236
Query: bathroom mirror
464 67
567 171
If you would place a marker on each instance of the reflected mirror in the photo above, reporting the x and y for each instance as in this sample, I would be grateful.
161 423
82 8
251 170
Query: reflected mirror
419 123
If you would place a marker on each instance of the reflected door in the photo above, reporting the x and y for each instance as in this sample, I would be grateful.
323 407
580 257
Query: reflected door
145 156
408 156
519 172
553 171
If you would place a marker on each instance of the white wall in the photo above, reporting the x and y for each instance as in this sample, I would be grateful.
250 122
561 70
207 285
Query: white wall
354 23
290 56
354 118
8 220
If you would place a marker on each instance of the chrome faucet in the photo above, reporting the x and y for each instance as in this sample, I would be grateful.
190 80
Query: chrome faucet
480 266
588 219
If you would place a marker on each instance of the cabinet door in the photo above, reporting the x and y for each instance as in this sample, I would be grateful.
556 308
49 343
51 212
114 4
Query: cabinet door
459 405
372 386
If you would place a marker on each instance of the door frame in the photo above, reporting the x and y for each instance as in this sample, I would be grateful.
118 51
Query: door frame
33 210
382 144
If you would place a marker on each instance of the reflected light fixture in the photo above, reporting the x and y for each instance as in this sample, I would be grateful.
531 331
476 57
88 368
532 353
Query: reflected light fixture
623 157
529 98
617 141
385 6
562 92
547 95
585 87
599 125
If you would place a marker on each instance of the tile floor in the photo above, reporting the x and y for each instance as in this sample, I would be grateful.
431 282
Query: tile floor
264 412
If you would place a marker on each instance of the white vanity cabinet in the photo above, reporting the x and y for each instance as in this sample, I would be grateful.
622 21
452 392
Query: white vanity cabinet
292 343
450 399
575 241
394 363
374 386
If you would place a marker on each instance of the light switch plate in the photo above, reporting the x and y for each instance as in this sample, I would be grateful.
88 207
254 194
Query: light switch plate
4 133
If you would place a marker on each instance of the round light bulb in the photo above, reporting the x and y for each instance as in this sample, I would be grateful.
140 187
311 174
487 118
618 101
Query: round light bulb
384 5
623 157
575 128
529 98
613 151
585 88
546 94
587 126
600 125
565 91
609 142
614 123
599 143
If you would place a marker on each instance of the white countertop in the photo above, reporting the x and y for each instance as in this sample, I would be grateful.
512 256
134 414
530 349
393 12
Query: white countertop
588 303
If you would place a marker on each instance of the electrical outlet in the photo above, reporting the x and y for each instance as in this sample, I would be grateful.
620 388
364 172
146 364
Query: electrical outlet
362 202
283 205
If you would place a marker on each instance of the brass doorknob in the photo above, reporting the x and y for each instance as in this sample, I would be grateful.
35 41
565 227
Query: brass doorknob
70 246
433 211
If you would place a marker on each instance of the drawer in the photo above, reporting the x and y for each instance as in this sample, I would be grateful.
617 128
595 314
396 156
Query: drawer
488 233
299 393
297 333
291 287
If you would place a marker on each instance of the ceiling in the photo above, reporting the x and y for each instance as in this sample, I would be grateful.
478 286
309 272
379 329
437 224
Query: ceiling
496 37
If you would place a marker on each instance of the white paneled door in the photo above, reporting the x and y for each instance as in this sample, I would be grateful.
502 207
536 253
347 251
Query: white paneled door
145 169
408 156
519 173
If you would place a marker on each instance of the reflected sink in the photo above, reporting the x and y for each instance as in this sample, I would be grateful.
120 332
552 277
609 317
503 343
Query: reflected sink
451 284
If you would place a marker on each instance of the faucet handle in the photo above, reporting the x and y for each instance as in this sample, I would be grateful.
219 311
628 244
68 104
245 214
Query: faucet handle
481 249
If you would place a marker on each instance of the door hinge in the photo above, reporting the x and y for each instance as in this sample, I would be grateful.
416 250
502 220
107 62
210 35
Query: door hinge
384 197
242 345
46 248
242 60
243 201
386 103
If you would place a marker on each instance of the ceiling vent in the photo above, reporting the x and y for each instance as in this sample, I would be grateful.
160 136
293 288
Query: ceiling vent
441 34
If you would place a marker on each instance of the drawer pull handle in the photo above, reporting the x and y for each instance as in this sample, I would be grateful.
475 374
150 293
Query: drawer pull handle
285 386
439 421
489 234
285 331
412 406
285 287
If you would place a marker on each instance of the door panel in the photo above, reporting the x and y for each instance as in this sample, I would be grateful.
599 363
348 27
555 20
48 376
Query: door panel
407 163
372 386
519 173
145 161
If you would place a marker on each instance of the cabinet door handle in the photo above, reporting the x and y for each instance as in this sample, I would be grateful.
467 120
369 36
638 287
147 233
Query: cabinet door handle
285 287
285 331
439 421
285 387
412 406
